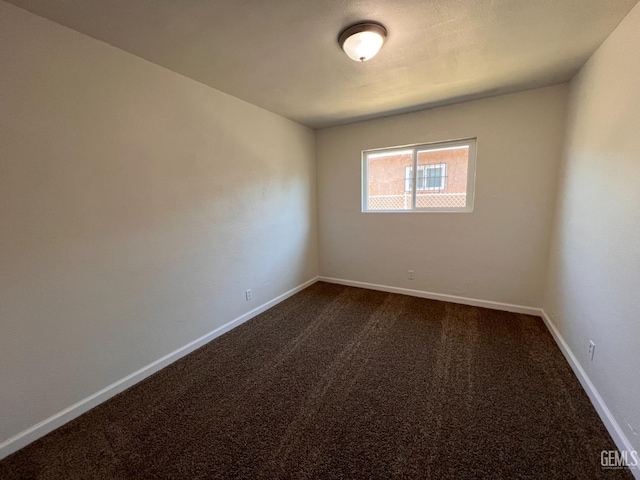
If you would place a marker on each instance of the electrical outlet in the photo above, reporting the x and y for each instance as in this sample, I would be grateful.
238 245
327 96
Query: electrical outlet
411 274
248 294
592 349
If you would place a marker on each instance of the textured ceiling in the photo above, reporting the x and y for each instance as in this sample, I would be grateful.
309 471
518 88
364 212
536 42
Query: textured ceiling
283 55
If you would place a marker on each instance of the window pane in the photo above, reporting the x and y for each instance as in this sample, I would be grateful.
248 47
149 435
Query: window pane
408 177
435 178
440 173
421 180
445 177
389 180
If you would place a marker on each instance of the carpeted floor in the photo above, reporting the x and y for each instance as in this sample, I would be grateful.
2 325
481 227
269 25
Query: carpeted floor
344 383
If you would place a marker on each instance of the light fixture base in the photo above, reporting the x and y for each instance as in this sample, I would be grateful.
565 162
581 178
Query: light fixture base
363 40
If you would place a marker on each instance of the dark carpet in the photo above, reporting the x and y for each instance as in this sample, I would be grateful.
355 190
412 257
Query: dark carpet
344 383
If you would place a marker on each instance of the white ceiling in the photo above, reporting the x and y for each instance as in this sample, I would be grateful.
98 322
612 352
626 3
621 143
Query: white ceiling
283 55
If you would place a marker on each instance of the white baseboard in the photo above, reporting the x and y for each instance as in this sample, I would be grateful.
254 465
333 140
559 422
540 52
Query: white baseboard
617 434
507 307
40 429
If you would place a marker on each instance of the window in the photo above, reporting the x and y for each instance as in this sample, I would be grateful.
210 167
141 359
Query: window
430 177
444 181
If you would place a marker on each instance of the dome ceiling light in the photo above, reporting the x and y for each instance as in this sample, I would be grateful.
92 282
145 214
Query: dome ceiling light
362 41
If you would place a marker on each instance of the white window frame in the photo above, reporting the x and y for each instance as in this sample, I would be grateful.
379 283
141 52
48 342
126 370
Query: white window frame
414 149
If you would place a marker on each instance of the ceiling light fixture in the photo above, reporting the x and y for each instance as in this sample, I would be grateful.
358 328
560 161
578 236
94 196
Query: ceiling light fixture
362 41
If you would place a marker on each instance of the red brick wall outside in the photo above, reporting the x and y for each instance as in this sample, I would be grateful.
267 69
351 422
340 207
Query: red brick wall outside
456 161
386 174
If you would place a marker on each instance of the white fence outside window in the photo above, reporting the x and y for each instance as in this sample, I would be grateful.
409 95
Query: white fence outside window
423 200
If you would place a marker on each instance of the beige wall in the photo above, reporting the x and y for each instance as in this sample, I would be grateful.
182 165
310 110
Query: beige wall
136 207
593 289
499 251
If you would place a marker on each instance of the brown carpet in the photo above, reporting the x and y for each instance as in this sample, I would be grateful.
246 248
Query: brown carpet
344 383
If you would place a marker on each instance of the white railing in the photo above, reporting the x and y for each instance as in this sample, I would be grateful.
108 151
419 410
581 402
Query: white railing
423 200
